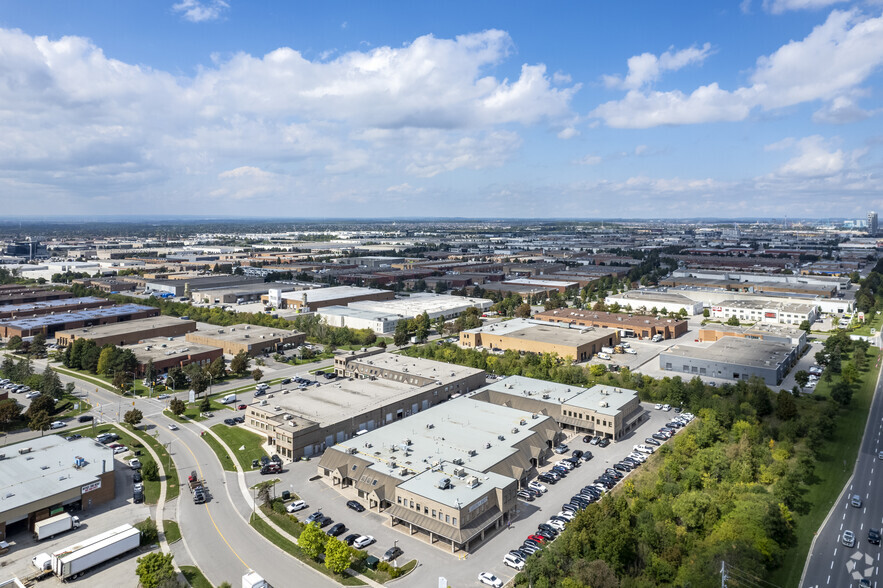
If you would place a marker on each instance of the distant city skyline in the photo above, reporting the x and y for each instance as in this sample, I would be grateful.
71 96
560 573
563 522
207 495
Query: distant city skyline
751 109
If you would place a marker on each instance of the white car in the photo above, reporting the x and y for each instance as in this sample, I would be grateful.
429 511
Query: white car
33 394
666 407
490 580
513 561
556 524
173 427
534 485
135 464
120 449
631 351
643 448
57 424
296 506
566 515
564 464
658 407
163 397
363 541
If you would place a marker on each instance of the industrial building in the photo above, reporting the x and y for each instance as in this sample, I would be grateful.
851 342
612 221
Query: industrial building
29 295
381 323
252 339
732 358
62 305
557 284
50 324
761 332
191 284
41 477
649 299
434 305
246 293
642 327
168 352
600 410
385 388
129 332
765 311
530 336
312 300
449 474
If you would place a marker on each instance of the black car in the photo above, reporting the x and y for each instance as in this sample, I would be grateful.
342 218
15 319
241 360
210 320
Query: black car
519 553
528 548
561 470
355 505
621 467
392 553
659 437
276 459
73 437
587 439
545 534
587 455
678 409
285 381
572 460
577 453
350 539
651 441
336 530
874 536
230 422
604 442
240 420
525 495
138 497
324 521
674 425
265 460
547 479
85 418
136 477
614 474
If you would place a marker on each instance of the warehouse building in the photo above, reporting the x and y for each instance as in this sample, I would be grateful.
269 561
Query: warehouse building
252 339
642 327
312 300
561 286
62 305
529 336
434 305
761 332
381 323
191 284
448 475
42 477
732 358
50 324
385 388
246 293
765 311
606 411
649 299
128 333
27 296
168 352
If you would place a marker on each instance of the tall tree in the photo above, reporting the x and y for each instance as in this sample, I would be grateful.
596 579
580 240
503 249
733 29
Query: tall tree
39 421
239 363
105 360
177 406
50 383
37 347
133 417
312 540
337 555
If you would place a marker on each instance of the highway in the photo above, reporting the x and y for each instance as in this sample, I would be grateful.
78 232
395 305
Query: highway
830 563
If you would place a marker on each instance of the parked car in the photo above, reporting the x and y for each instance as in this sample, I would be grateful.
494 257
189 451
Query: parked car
229 422
587 455
559 449
138 497
587 439
595 440
659 437
577 453
135 464
351 538
537 486
489 579
514 561
242 407
546 479
363 541
120 449
604 442
355 505
73 437
336 530
392 553
296 505
652 441
525 495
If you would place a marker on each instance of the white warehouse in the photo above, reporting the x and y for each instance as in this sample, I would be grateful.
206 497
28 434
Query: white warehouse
382 323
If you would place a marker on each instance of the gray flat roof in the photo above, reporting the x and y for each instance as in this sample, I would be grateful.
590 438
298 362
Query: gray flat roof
416 304
241 333
332 293
736 351
543 332
654 295
460 492
48 468
163 348
771 328
79 315
558 394
796 307
32 306
355 312
542 283
112 329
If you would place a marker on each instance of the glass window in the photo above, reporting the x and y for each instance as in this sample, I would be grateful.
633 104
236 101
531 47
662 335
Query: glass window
447 518
433 513
454 522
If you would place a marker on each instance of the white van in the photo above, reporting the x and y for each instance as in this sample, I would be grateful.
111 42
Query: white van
603 356
228 399
513 561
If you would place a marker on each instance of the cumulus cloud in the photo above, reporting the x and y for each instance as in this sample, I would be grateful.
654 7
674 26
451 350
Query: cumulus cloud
841 110
780 6
589 160
830 63
646 68
568 133
201 10
405 188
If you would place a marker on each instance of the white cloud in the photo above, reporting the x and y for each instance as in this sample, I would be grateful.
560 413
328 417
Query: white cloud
640 149
780 6
201 10
568 133
589 160
405 188
841 110
246 171
646 68
830 63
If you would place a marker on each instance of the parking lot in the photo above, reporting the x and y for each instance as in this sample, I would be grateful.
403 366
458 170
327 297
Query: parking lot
459 568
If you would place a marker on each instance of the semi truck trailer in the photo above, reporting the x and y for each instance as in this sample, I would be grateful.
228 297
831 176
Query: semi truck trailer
74 561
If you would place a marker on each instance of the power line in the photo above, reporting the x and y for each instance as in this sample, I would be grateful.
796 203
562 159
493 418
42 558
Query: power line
747 577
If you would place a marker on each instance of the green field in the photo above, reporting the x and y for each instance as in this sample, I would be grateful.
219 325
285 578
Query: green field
832 470
225 459
236 437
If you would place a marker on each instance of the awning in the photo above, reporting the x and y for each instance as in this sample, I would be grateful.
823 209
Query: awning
436 527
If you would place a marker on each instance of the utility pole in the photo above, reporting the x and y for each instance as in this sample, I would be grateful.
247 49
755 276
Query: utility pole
723 574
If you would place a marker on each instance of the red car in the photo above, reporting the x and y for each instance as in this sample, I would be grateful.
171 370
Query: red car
242 407
538 538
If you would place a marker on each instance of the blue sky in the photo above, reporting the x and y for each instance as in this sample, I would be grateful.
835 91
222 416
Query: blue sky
755 108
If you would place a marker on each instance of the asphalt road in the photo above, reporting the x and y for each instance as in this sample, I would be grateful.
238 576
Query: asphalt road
831 563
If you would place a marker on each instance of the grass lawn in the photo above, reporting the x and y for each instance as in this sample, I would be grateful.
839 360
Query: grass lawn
236 437
274 537
195 577
223 457
191 413
874 322
173 486
382 577
65 406
286 522
172 530
151 488
832 470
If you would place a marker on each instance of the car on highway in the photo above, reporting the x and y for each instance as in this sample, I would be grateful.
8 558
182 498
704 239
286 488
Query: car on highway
336 530
392 553
848 538
120 449
874 536
489 579
138 486
880 455
363 541
856 501
296 505
173 427
355 505
84 418
163 397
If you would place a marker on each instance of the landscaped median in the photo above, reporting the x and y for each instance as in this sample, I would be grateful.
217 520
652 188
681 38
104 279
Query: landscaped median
195 577
173 487
234 438
134 443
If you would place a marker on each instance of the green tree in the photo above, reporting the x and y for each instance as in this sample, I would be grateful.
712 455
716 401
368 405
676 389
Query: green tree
841 393
257 374
337 555
121 380
802 378
154 569
43 402
37 347
522 311
39 421
786 406
50 384
199 380
239 363
177 406
849 374
218 368
400 337
805 326
15 343
176 379
133 417
105 361
150 471
597 370
149 372
733 321
205 404
706 313
10 410
312 540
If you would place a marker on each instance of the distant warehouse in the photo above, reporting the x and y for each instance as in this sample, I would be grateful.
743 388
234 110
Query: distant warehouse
312 300
169 352
129 332
536 337
732 358
251 339
52 307
642 327
50 324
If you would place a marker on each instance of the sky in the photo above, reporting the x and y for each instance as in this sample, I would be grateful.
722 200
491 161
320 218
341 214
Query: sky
491 109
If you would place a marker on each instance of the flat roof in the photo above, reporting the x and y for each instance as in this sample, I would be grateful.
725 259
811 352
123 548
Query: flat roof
654 295
155 322
355 312
543 332
50 304
559 394
542 283
332 293
771 328
78 315
163 348
620 318
48 468
736 351
417 304
460 492
241 332
766 305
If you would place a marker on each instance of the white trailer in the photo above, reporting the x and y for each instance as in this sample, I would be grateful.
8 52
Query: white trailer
54 525
74 561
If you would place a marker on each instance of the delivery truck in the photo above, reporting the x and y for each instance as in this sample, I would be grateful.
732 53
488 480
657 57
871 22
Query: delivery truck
228 399
252 579
74 561
54 525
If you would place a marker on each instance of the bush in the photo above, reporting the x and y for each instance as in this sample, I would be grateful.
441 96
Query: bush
150 471
149 534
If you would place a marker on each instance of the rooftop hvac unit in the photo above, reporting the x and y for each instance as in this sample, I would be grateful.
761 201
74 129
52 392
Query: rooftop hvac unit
500 438
472 453
459 472
406 442
472 482
514 430
487 445
393 464
24 450
246 336
445 483
546 396
534 416
288 417
247 327
522 422
352 450
458 461
603 404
